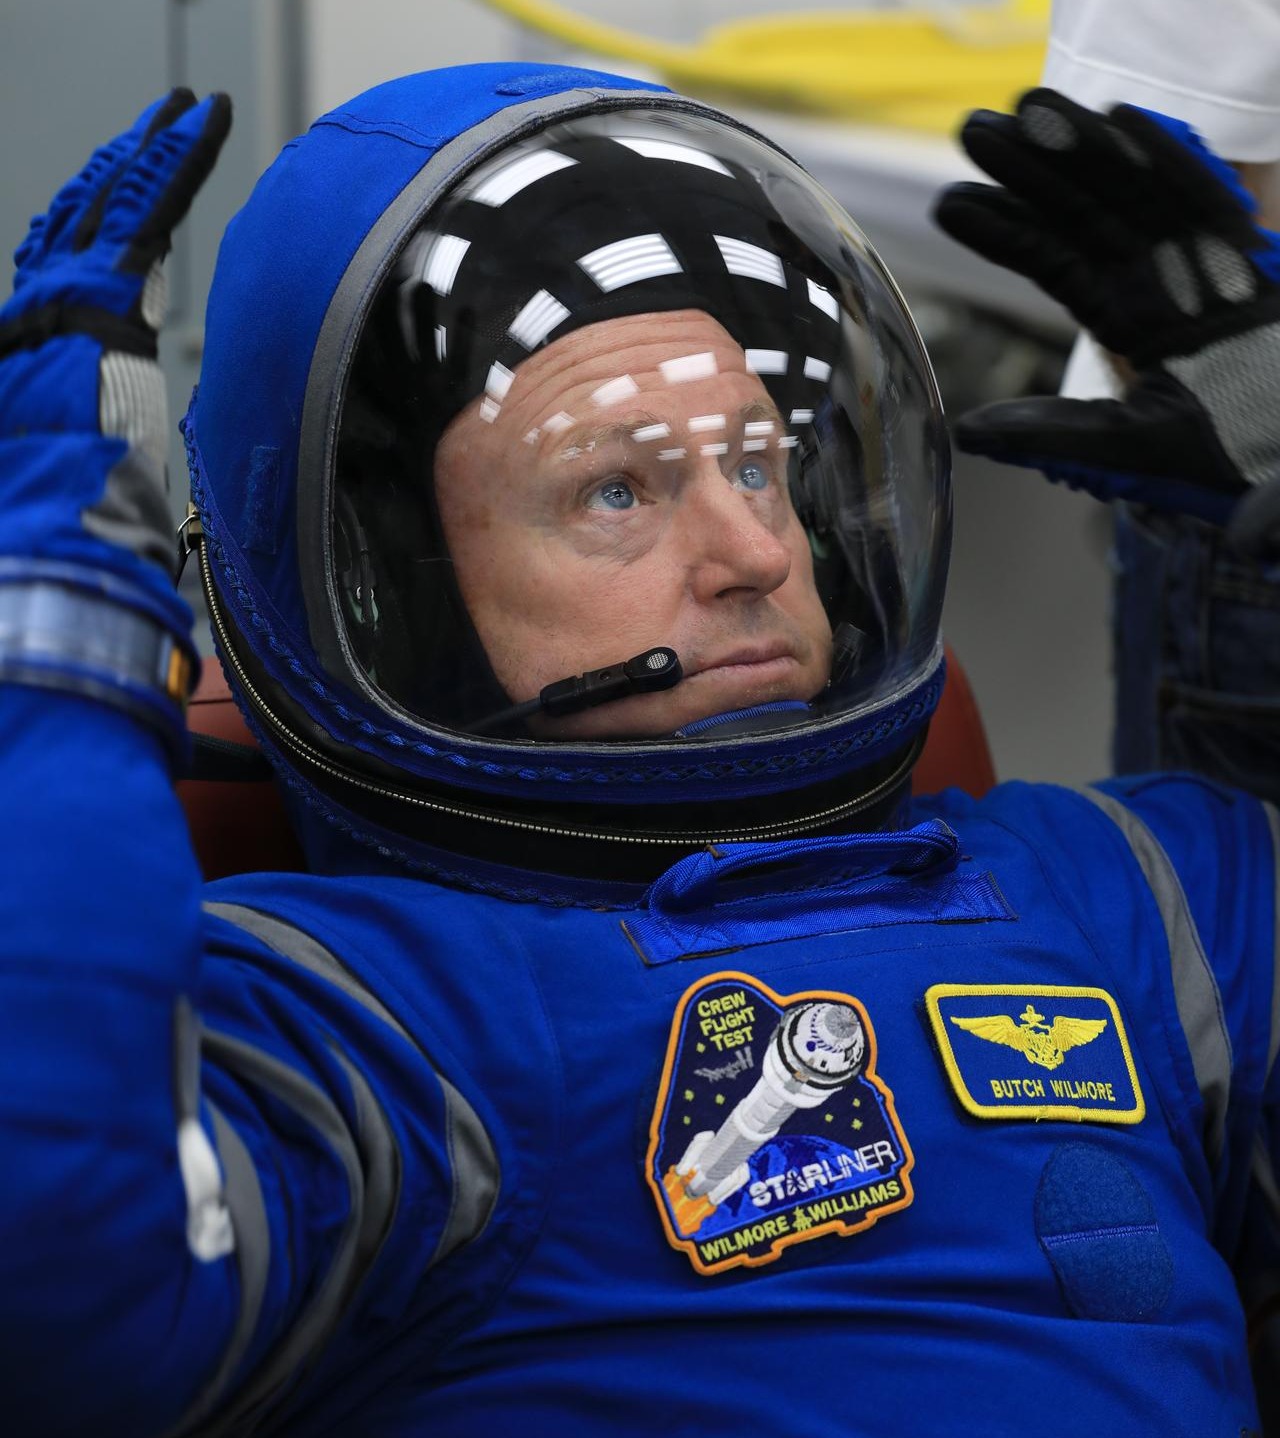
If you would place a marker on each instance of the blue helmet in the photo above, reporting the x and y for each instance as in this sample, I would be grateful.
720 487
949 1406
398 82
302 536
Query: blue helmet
574 484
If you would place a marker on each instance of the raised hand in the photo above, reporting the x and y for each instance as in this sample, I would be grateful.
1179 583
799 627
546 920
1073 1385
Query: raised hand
86 550
1150 241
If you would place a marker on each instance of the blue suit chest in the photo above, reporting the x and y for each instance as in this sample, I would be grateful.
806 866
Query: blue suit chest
788 1117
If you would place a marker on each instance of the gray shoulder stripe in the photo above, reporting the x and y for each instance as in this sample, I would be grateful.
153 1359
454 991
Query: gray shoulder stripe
474 1165
476 1173
267 1072
381 1167
1273 822
293 943
1194 985
211 1230
380 1158
253 1258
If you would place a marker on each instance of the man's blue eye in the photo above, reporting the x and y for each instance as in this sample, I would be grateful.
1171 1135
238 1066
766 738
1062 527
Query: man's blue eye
616 494
752 475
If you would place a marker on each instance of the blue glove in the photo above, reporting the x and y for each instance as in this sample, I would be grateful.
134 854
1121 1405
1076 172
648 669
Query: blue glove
1150 241
86 548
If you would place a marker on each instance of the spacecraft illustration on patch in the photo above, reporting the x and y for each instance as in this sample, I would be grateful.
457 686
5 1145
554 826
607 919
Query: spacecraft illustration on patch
817 1049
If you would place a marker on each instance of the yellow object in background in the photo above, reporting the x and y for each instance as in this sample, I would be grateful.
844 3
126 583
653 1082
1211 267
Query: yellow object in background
921 67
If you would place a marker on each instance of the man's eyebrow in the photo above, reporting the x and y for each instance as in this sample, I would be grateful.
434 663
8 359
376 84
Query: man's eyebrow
759 411
633 427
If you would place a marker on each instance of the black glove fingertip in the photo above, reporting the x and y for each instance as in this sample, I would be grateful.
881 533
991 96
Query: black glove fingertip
152 239
957 201
178 101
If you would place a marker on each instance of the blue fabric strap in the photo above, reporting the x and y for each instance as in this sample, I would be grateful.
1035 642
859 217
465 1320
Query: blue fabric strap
807 887
88 633
694 882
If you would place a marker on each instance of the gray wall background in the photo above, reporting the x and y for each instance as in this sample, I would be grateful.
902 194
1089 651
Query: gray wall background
1029 588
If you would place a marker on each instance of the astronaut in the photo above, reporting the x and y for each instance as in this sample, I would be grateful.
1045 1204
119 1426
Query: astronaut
573 501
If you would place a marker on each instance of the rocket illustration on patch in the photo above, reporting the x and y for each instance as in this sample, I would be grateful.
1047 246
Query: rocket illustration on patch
817 1048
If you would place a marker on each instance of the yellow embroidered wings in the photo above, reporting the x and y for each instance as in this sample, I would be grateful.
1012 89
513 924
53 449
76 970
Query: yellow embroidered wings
1040 1043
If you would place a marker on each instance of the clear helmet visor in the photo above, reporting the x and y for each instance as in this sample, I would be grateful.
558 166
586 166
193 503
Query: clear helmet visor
638 383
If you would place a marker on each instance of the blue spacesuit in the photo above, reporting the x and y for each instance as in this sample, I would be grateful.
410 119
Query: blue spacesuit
634 1057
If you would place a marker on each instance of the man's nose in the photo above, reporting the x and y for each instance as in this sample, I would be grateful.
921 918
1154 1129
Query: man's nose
734 552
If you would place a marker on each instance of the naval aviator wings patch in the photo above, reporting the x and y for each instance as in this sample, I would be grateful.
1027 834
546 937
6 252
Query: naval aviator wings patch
1036 1051
772 1125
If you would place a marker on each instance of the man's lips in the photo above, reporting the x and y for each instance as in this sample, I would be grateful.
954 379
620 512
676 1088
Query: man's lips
753 656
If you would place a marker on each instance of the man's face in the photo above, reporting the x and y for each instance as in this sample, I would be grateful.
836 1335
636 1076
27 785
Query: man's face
631 492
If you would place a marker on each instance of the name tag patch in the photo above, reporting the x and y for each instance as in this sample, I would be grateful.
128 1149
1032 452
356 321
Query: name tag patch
1036 1051
772 1126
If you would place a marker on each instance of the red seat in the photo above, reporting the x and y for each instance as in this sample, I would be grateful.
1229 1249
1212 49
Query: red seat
956 753
241 827
236 828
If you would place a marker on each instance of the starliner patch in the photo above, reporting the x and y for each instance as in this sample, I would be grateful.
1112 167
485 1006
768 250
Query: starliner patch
1036 1051
771 1126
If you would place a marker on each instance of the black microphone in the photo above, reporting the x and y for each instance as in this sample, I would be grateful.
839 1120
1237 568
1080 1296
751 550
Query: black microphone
647 673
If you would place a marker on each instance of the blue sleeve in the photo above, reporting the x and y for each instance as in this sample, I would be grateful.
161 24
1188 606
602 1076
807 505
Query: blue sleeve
99 936
1224 847
204 1153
